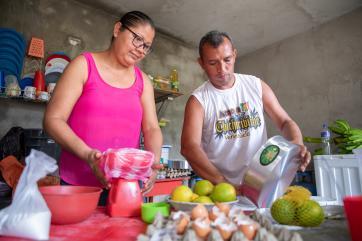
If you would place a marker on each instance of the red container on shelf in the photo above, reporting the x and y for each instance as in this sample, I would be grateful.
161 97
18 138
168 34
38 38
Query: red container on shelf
39 82
124 199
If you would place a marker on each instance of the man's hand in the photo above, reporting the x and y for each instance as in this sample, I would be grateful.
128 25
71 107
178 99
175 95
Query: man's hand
305 157
151 181
93 160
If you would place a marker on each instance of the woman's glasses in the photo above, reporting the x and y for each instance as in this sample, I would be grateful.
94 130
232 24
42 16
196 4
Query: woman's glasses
138 41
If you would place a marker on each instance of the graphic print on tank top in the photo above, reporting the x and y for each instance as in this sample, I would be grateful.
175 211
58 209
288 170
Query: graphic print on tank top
237 122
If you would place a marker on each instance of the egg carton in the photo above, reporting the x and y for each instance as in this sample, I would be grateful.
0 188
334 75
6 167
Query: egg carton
166 229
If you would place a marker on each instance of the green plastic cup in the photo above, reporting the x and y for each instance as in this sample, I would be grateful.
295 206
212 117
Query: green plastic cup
149 210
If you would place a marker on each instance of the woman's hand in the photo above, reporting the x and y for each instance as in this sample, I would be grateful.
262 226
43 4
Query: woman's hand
151 181
94 159
305 157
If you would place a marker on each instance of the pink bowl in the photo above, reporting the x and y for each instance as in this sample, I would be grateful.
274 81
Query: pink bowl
70 204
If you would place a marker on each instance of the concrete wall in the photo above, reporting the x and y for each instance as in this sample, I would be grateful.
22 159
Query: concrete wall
317 75
56 21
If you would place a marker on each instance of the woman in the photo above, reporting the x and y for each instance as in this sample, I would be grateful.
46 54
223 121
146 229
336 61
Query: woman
103 100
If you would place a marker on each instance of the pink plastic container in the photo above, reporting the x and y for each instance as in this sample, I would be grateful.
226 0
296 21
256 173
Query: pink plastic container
124 199
353 209
70 204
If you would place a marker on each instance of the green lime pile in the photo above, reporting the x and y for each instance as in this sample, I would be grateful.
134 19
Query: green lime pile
296 208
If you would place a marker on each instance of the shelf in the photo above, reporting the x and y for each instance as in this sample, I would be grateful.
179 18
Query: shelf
162 95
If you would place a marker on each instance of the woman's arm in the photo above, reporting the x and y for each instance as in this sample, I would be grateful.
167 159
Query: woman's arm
151 131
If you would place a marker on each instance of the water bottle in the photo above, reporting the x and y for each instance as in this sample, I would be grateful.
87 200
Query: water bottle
325 136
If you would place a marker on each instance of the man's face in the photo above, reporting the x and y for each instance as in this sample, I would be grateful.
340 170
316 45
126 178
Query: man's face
218 63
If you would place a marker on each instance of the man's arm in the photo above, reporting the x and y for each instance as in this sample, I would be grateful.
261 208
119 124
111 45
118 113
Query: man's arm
191 143
285 124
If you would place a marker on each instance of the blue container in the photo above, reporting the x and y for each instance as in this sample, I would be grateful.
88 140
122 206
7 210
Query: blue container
2 81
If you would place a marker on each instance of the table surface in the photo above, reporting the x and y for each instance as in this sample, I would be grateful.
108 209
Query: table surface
100 226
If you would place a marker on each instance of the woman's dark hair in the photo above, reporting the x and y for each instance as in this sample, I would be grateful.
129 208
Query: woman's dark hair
134 18
214 38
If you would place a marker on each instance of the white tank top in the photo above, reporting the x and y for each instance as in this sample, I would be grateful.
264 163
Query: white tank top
234 127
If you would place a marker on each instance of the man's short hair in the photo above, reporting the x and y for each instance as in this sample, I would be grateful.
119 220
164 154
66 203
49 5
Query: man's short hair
215 39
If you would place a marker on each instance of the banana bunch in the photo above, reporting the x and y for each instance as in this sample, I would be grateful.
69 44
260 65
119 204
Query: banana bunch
347 138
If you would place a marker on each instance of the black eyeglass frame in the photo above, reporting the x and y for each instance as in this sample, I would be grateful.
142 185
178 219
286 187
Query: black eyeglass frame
146 48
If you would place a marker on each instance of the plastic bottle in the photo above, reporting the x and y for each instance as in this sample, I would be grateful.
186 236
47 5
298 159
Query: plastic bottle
174 80
325 136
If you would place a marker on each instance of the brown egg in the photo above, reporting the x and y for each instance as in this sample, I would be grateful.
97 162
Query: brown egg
215 213
225 234
249 229
223 207
181 225
202 228
200 211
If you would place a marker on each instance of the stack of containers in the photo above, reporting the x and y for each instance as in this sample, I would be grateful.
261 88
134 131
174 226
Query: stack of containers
12 52
54 67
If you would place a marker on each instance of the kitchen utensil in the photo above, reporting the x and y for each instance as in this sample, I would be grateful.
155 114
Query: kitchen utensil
271 171
124 198
149 210
353 209
36 48
70 204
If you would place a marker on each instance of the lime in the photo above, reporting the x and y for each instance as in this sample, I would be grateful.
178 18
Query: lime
223 192
310 214
203 199
181 194
283 211
203 188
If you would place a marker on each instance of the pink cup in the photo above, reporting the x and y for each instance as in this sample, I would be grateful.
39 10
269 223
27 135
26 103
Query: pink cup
353 209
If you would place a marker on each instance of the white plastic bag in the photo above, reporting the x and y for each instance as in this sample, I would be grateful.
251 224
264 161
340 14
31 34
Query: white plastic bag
28 215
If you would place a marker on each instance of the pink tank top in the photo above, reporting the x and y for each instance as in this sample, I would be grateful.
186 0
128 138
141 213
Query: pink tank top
103 117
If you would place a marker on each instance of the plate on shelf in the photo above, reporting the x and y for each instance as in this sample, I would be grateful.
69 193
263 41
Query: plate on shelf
188 206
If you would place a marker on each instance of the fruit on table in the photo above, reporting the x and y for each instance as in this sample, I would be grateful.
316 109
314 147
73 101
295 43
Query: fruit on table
203 188
203 199
309 214
283 211
296 208
182 194
223 192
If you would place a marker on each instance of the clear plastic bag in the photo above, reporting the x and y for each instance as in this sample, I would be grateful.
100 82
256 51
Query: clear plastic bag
127 163
28 215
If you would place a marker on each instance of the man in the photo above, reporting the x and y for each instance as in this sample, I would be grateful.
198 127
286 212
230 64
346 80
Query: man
224 124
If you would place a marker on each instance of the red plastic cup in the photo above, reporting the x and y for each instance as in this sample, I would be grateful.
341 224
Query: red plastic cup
353 209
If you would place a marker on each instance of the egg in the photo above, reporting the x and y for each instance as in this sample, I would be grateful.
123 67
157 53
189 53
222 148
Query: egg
181 225
200 211
202 228
236 212
249 229
223 207
225 227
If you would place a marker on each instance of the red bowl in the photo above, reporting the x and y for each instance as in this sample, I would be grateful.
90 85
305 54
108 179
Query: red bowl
70 204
